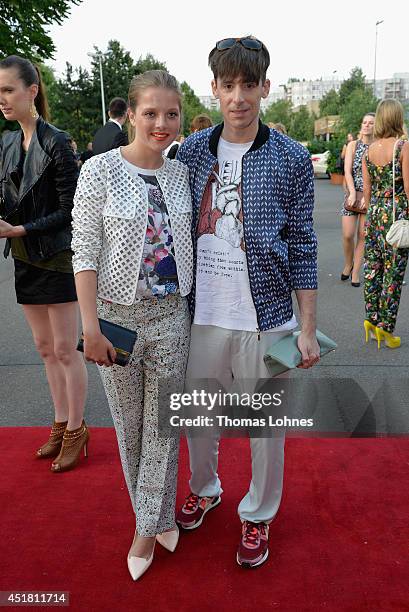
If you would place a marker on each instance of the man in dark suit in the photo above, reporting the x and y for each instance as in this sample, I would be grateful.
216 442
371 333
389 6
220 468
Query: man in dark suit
110 136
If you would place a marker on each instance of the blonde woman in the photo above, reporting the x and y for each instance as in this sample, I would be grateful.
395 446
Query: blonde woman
353 223
385 266
133 266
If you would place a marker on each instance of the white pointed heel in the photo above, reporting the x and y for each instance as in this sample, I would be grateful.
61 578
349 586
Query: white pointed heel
138 565
169 539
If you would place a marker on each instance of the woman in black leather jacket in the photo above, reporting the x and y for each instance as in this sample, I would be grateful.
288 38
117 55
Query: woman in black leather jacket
38 175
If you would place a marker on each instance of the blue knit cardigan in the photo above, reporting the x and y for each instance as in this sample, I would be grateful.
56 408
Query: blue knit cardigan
278 200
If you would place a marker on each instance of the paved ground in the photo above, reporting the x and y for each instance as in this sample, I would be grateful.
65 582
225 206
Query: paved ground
24 397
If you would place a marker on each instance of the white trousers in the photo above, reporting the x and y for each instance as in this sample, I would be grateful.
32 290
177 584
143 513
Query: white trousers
228 356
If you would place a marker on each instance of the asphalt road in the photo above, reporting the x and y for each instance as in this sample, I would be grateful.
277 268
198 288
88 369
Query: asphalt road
24 396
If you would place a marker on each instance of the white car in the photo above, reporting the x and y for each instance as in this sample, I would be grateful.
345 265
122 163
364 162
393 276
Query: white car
320 163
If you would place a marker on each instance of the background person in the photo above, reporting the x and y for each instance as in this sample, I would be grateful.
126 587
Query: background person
133 263
173 148
280 127
385 266
110 136
350 138
353 223
200 122
39 174
87 154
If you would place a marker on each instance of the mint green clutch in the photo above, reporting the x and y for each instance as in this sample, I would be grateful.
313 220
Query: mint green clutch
284 355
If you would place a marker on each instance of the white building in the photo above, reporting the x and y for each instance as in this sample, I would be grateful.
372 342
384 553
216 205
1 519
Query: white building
304 92
210 102
213 103
308 93
395 87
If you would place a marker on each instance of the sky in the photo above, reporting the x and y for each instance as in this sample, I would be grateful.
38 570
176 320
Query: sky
305 39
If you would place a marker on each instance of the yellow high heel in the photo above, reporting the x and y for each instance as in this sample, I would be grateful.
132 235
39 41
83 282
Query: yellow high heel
370 330
390 340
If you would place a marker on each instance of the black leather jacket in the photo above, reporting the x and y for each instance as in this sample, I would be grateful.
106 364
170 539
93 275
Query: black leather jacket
44 197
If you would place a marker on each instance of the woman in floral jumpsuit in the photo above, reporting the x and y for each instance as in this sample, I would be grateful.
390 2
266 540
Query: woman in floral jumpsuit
384 266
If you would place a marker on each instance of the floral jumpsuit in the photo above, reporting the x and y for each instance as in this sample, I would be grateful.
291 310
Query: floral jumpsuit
384 266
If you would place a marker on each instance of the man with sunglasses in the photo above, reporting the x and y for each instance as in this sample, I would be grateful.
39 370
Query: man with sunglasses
253 195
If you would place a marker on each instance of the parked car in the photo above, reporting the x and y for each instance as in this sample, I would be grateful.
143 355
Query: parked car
320 163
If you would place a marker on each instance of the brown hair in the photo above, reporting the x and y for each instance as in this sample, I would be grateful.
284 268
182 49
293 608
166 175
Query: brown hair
30 75
238 61
150 78
279 127
389 119
117 108
200 122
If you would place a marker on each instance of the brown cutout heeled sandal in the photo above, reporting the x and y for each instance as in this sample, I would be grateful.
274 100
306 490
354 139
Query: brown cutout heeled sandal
53 445
73 442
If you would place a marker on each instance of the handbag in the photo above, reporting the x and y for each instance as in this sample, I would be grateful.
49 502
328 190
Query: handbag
122 338
284 355
398 233
356 206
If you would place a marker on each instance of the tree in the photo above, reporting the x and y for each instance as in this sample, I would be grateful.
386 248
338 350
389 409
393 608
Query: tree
302 125
148 63
330 104
23 22
279 112
215 115
360 101
355 81
118 68
77 110
191 107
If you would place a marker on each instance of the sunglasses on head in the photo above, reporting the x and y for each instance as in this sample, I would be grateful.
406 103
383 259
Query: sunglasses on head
249 43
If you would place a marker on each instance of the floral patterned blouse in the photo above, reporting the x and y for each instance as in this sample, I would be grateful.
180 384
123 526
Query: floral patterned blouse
360 150
157 274
382 176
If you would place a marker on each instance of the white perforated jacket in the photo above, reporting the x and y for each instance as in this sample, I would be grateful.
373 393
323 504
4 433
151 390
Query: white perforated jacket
110 220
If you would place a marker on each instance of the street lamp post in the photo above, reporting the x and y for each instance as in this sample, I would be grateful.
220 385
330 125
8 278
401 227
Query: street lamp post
101 80
333 78
376 45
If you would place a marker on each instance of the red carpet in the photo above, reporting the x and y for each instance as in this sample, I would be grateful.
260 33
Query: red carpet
340 542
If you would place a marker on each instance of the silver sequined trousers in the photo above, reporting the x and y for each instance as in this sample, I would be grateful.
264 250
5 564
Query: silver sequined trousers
149 461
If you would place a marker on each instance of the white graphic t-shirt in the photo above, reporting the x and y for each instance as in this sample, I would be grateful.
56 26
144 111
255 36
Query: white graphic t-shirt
223 296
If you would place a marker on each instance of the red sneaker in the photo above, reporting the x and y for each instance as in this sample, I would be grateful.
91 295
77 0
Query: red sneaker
192 513
253 547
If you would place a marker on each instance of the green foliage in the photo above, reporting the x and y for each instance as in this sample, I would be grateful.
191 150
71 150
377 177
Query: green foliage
333 166
302 125
355 81
355 98
191 107
334 159
279 112
330 104
78 102
23 26
317 146
148 63
77 110
359 102
118 68
215 115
